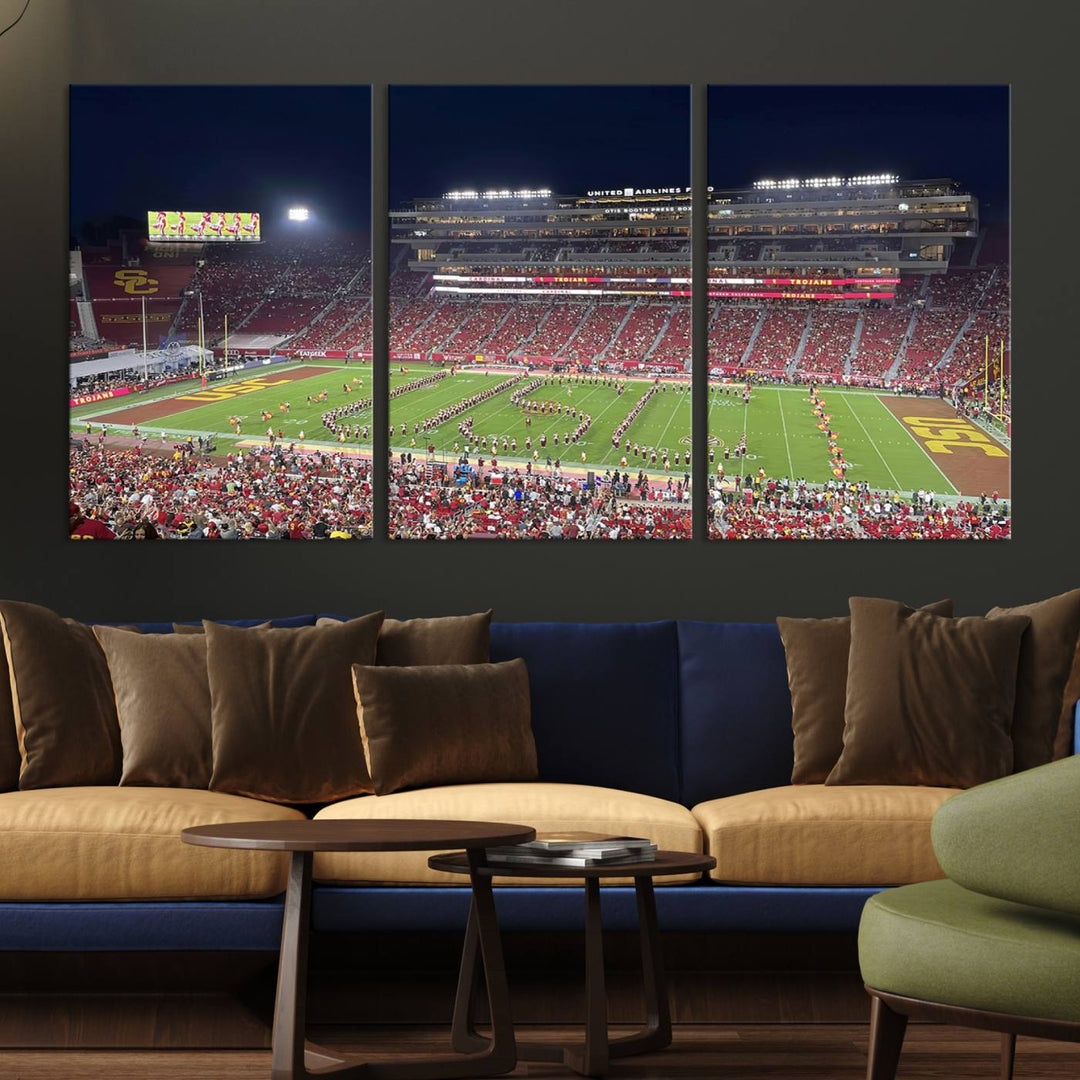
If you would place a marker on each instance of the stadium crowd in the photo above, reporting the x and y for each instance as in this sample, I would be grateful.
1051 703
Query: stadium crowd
130 493
523 505
760 508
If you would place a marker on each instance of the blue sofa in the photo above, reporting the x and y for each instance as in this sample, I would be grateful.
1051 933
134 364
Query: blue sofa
681 711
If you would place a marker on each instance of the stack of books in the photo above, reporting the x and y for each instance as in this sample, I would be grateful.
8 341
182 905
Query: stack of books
575 849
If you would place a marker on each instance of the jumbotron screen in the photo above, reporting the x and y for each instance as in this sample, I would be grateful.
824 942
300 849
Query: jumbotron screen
202 225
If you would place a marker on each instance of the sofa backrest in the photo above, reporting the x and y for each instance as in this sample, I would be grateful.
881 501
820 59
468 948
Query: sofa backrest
605 701
686 711
735 709
166 627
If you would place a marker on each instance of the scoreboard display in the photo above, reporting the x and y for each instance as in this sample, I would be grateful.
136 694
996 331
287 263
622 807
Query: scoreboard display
203 226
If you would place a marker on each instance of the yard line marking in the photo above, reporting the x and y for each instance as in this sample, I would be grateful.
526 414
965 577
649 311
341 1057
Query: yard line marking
897 421
783 424
745 421
873 444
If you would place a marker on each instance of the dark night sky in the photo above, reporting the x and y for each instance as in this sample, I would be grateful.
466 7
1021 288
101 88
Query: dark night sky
263 148
917 132
566 138
260 148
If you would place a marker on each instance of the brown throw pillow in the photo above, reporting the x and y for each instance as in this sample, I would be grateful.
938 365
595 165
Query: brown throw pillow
9 739
1046 657
454 639
929 699
65 716
282 710
197 628
817 661
446 724
1065 738
163 703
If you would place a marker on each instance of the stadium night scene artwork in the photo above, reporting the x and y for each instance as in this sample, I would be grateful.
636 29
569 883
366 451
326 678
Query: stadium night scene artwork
858 301
220 313
540 339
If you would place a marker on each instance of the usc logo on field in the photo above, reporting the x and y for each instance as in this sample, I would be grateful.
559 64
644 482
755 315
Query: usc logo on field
135 282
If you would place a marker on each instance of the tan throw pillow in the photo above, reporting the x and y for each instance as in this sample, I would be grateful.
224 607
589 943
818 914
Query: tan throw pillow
163 703
65 717
453 639
282 710
929 699
817 661
1065 737
1046 657
447 724
197 628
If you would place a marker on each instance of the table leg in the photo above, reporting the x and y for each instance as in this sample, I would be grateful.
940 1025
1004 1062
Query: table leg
294 1059
463 1034
657 1031
592 1059
290 1012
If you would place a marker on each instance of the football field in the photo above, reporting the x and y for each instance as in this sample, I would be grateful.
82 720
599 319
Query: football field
183 409
898 444
664 422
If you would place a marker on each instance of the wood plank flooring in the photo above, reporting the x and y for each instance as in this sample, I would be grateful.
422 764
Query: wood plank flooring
700 1052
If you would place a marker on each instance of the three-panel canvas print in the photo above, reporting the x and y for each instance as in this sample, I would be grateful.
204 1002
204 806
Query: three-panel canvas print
540 314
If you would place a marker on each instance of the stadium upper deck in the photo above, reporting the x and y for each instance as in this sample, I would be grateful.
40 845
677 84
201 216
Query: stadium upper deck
842 223
634 228
778 239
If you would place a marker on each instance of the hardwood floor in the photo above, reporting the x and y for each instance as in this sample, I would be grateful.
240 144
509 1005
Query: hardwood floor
699 1052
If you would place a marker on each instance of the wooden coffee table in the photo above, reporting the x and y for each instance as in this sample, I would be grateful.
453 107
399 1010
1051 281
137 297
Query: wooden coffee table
294 1059
591 1058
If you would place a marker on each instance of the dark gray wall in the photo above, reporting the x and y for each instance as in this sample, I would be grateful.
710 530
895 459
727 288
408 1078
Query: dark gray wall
128 41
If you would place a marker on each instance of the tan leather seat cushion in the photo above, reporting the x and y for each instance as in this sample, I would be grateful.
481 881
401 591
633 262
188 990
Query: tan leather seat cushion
123 843
810 834
546 807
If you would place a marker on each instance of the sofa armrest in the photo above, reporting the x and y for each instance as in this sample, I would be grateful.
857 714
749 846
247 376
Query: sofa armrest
1017 838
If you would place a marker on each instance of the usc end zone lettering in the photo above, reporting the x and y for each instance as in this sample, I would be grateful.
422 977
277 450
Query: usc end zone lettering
943 435
249 386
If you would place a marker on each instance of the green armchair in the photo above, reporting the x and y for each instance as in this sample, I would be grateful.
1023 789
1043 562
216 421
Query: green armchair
997 944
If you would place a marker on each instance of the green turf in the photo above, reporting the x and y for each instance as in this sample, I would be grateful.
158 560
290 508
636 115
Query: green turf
213 419
782 437
782 433
665 422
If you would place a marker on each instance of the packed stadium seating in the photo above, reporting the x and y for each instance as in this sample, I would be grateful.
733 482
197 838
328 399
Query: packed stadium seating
639 333
595 332
935 330
315 295
323 334
475 329
777 340
358 335
677 343
282 315
558 326
730 330
519 327
829 342
882 331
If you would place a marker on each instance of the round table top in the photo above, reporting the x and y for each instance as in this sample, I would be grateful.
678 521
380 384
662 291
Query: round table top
666 862
374 834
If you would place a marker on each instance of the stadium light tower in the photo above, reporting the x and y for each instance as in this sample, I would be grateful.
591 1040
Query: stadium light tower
298 213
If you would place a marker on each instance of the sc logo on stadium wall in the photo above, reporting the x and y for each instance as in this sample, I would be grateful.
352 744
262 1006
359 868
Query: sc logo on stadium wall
135 282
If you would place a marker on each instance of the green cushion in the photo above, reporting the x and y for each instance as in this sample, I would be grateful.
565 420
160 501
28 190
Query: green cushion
1016 838
939 942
